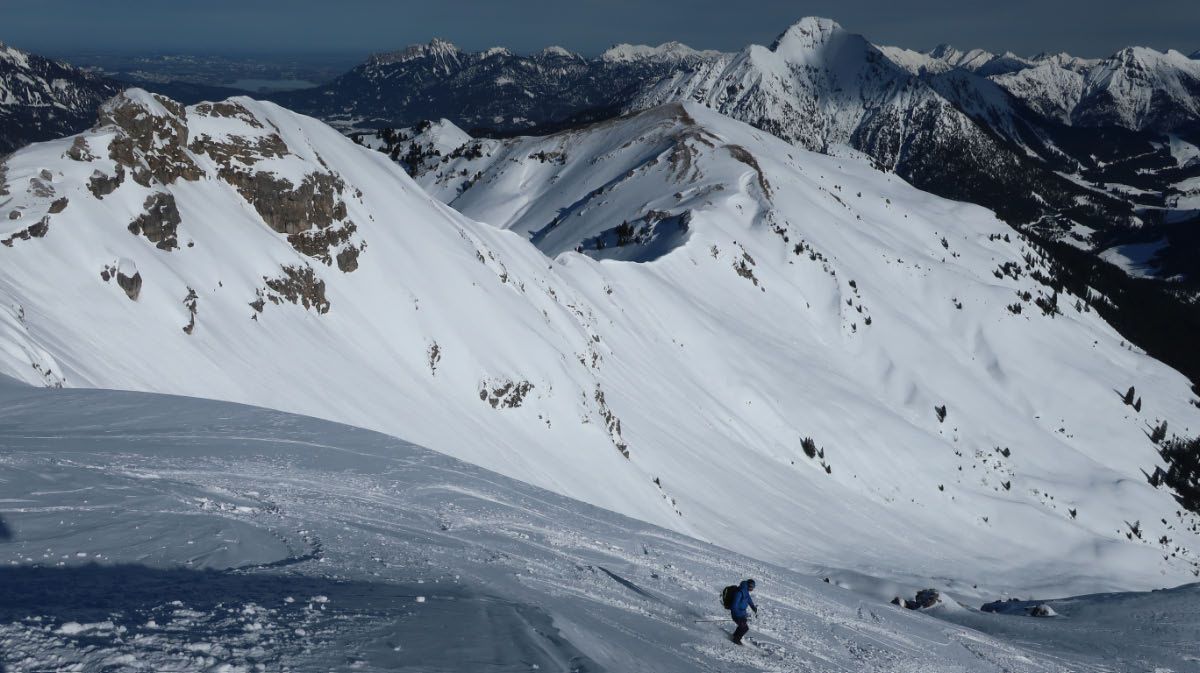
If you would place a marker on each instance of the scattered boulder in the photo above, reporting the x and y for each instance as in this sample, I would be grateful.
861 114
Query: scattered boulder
505 394
1014 606
101 185
41 186
58 206
80 151
1042 610
129 278
925 599
347 260
36 230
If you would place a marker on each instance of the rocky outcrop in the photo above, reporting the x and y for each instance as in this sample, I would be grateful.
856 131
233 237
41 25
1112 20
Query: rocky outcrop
504 394
288 208
347 260
298 285
160 223
189 302
37 230
153 133
101 185
131 284
42 186
80 151
228 110
925 599
58 206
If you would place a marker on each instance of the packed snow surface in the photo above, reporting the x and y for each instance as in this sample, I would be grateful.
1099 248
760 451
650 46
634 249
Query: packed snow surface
153 533
792 355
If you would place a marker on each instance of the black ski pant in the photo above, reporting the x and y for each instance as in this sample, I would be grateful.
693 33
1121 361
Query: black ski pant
742 628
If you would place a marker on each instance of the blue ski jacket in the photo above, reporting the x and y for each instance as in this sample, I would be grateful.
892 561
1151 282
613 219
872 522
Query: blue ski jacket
741 601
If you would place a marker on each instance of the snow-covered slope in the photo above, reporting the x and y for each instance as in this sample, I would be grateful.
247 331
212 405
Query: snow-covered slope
354 551
239 251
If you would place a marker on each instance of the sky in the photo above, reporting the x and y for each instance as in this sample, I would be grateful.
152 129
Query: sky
1083 27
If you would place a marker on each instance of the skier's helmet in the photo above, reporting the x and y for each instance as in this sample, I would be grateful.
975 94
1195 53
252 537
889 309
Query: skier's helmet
749 584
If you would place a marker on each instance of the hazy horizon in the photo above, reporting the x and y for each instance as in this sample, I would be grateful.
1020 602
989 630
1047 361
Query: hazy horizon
263 28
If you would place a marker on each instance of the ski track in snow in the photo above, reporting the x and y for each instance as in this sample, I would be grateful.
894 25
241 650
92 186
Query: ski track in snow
269 542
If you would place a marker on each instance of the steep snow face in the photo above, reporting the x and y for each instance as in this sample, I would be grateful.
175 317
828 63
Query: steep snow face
1136 88
42 99
1049 89
816 85
857 306
356 551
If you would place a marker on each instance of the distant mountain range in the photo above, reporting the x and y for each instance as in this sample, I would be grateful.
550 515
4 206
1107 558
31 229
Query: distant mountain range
1099 159
1095 153
43 99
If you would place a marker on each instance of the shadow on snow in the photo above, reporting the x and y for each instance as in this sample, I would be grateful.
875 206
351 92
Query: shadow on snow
308 620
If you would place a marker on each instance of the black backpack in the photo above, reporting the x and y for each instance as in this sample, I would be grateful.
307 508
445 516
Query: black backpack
727 595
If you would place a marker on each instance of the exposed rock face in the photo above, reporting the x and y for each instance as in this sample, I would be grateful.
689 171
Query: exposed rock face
228 110
320 244
37 230
287 208
244 150
154 134
298 285
160 223
58 206
3 179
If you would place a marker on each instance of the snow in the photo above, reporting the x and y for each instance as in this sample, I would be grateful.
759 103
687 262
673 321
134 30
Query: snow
1135 259
710 350
672 51
363 526
1185 195
1185 153
555 50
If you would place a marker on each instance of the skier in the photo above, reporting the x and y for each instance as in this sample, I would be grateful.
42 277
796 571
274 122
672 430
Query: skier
742 600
